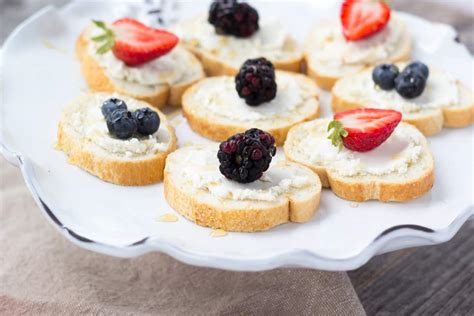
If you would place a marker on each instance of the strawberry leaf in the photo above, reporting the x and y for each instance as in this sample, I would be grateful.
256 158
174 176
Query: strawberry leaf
105 47
337 134
100 24
100 38
106 39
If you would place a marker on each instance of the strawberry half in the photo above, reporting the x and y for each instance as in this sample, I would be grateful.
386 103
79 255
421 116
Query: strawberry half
363 18
133 42
363 129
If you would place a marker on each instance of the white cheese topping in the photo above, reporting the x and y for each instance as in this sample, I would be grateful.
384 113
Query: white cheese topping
269 41
171 68
441 91
201 170
89 122
223 100
330 47
395 155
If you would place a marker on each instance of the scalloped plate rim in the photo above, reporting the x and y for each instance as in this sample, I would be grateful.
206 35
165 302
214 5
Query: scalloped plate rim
384 242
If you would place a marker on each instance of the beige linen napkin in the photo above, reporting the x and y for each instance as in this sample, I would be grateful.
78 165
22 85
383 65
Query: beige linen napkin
43 273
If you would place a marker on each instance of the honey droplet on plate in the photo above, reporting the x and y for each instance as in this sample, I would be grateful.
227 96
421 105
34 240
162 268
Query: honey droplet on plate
169 218
218 233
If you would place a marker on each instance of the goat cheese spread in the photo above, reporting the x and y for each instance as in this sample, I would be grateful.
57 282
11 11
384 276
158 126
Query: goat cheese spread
441 90
329 47
403 148
269 41
201 169
222 100
171 68
89 122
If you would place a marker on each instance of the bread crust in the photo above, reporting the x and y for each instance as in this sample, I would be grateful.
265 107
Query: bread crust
359 189
213 66
127 172
97 80
428 122
383 191
458 117
249 218
217 131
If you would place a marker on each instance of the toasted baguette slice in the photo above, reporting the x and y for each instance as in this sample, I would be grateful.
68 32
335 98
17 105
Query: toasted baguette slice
227 61
326 73
214 110
156 95
83 136
218 66
357 91
400 169
195 188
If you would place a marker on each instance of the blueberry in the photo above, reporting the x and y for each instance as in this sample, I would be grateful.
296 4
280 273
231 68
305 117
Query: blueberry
112 104
384 76
410 83
147 120
121 124
419 66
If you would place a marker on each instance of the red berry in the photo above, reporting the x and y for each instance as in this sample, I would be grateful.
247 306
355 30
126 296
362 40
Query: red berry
136 43
363 18
363 129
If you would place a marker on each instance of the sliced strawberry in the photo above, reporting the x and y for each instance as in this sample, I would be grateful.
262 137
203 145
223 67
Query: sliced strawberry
363 129
133 42
136 43
363 18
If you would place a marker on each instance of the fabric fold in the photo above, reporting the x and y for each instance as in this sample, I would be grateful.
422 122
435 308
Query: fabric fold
42 273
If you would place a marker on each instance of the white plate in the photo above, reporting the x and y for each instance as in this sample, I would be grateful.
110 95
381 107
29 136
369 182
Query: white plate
41 75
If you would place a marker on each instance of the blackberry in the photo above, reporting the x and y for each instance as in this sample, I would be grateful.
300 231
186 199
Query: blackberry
245 156
230 17
255 81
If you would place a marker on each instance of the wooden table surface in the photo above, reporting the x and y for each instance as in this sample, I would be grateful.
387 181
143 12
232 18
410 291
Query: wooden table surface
422 281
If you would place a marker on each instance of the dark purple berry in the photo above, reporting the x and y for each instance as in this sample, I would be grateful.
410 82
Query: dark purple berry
410 83
245 156
384 76
255 81
147 120
256 154
230 17
121 124
111 105
419 66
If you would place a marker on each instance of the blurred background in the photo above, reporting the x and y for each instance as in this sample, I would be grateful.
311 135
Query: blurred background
459 13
